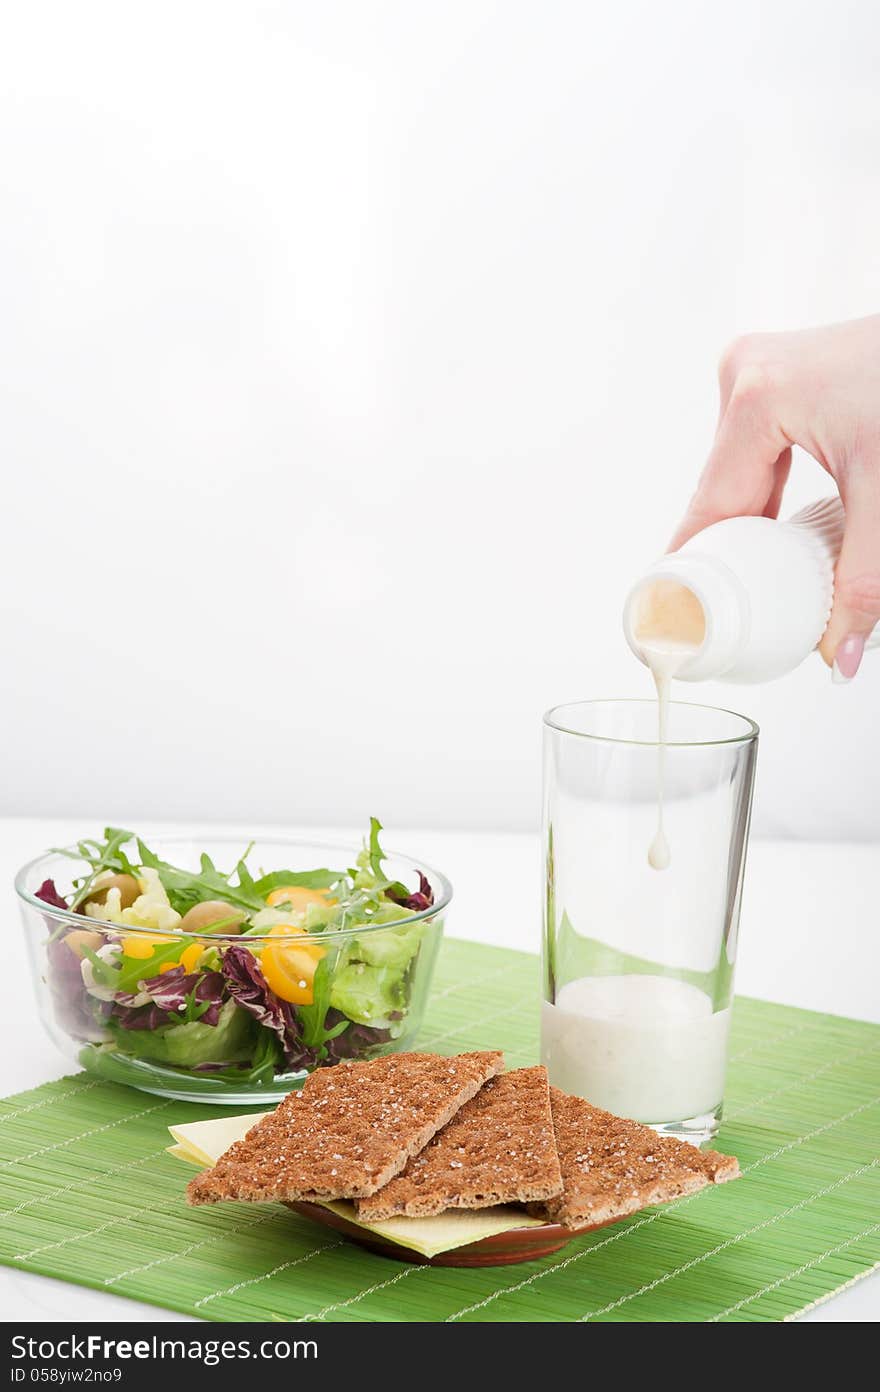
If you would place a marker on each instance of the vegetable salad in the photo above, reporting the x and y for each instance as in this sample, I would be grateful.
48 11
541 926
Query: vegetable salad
269 997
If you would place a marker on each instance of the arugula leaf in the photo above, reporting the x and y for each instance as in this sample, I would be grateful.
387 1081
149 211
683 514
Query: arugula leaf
376 856
245 878
101 856
266 1061
312 1016
337 1029
309 879
267 1053
361 892
187 887
131 970
195 1009
135 969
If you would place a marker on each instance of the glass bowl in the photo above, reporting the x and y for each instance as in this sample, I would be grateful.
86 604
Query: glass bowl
255 1051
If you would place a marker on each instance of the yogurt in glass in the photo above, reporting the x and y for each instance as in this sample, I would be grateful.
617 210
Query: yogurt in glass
647 1047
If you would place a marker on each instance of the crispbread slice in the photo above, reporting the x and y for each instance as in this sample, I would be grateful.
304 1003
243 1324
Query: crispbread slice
612 1167
349 1131
497 1149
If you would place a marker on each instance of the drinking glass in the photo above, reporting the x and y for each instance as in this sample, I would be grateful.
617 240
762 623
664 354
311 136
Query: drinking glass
638 963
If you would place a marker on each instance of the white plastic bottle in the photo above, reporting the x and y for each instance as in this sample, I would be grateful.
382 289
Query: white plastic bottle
745 600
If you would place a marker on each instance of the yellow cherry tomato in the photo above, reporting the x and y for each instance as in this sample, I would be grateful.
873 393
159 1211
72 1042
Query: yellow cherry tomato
188 959
290 969
140 945
298 897
190 956
296 930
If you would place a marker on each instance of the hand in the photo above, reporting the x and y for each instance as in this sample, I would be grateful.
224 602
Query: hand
819 389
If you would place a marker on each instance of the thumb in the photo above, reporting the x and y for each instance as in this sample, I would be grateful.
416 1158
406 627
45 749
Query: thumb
856 606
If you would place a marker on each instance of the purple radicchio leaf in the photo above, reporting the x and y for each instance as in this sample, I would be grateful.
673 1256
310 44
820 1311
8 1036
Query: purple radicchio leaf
355 1042
168 994
49 895
78 1013
423 898
140 1017
249 988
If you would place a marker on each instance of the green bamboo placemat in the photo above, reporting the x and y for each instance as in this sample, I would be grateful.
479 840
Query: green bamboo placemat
87 1193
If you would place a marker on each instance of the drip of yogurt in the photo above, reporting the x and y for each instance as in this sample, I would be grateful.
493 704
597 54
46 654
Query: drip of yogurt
664 656
670 630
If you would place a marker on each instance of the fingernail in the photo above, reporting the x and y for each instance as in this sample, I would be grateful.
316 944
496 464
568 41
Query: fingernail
847 658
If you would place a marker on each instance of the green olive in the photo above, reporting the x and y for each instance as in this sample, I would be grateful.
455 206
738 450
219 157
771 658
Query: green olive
128 887
201 918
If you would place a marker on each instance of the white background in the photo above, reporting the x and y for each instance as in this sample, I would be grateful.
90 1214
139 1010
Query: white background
354 357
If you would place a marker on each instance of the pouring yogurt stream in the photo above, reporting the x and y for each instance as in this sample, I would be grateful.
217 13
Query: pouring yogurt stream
747 600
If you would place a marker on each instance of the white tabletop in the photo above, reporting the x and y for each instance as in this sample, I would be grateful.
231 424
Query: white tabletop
807 939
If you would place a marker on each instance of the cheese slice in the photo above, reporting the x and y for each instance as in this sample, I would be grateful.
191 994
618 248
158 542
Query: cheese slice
201 1143
205 1141
441 1233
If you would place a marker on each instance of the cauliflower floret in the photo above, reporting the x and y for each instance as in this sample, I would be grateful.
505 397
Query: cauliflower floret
264 919
111 912
150 910
147 913
151 884
110 953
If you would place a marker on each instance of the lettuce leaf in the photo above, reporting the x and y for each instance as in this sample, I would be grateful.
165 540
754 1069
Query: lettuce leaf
375 996
231 1040
370 985
259 1071
393 948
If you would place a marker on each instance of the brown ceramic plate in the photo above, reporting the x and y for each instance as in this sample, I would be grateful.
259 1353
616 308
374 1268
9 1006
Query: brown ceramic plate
501 1249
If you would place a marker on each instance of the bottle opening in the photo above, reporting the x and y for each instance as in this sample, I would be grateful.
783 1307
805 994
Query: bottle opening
666 611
